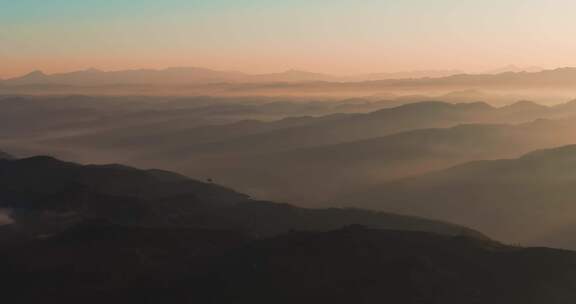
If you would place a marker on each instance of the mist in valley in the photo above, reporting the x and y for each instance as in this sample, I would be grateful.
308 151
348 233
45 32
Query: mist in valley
315 152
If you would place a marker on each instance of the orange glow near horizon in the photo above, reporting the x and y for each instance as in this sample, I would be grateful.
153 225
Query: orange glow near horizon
257 36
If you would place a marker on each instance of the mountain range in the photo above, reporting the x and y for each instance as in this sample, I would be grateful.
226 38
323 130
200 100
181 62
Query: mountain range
196 75
284 159
176 75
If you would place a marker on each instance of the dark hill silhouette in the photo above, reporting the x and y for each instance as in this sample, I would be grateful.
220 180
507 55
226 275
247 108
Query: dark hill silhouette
113 233
527 200
96 262
48 195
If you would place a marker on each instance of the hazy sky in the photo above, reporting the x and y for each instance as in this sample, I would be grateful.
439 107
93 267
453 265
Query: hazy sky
335 36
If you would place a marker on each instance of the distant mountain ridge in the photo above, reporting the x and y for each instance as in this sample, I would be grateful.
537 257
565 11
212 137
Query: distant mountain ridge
510 75
168 76
561 77
404 75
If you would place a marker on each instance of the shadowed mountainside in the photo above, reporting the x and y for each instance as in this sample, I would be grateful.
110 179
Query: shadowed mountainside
96 262
46 195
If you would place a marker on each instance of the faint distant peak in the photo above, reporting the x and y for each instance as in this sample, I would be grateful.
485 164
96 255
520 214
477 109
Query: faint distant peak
35 73
524 104
33 77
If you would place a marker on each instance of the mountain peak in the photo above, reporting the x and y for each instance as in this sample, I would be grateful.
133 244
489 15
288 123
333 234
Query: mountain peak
35 76
35 73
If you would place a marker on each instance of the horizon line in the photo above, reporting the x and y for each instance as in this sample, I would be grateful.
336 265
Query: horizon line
283 71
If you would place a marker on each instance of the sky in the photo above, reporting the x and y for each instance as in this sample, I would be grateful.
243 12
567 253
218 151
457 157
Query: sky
258 36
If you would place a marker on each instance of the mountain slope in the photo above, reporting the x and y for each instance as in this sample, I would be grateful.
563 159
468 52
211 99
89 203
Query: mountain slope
527 200
47 195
